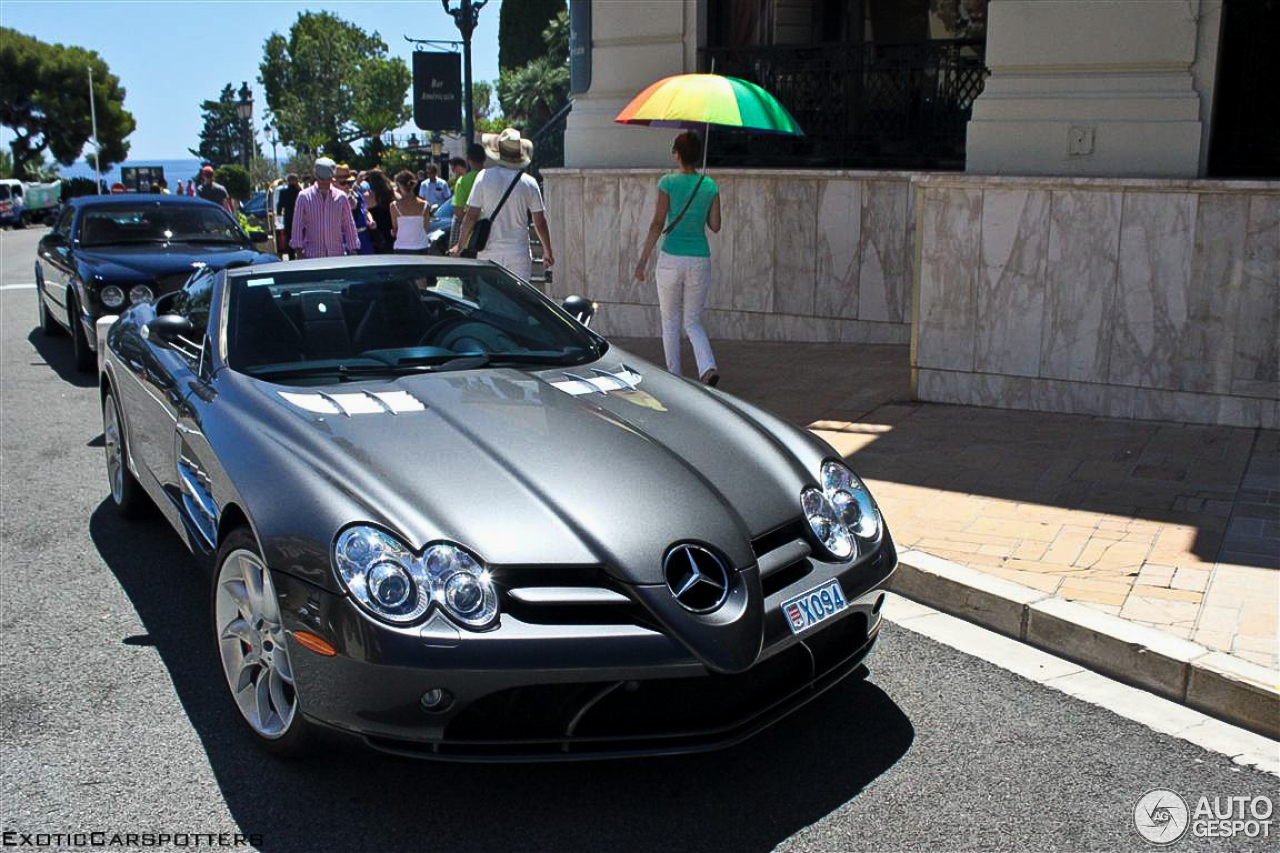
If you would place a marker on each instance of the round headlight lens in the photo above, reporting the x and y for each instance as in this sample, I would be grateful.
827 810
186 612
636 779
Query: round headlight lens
382 574
852 501
465 588
389 584
111 296
140 293
825 523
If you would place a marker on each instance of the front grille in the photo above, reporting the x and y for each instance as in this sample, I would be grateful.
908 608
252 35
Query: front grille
509 579
779 536
596 716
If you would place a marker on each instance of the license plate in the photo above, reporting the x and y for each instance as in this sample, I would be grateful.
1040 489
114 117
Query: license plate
817 605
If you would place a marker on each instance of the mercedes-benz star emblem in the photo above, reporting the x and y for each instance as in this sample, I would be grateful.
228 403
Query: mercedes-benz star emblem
697 578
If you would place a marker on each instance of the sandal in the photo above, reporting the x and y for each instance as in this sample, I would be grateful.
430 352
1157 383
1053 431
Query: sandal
711 377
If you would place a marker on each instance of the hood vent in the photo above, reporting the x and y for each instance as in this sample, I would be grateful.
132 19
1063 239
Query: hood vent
359 403
624 378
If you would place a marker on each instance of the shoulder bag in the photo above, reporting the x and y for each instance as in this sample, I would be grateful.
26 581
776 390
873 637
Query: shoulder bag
480 232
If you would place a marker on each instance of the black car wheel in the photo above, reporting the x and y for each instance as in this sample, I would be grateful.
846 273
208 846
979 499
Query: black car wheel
48 325
79 341
126 492
253 648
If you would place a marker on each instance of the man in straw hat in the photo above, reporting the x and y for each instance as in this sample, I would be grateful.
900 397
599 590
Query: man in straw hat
508 155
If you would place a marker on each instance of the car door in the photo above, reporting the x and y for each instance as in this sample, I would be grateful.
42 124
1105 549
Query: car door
164 374
191 458
57 265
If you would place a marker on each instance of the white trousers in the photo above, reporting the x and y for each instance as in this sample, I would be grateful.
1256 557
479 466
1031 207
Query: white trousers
682 296
520 263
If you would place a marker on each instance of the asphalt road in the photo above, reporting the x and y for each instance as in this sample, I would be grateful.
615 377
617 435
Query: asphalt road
113 714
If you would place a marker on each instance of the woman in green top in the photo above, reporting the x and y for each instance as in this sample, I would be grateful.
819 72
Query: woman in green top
688 204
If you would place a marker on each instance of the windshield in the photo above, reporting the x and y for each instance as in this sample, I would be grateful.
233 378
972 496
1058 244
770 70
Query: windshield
319 326
157 223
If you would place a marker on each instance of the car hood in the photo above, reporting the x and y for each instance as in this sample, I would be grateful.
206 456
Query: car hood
604 465
151 261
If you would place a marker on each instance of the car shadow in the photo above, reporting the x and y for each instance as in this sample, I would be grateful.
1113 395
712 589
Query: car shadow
750 797
57 353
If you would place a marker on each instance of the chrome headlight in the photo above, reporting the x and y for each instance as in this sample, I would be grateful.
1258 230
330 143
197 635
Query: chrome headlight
140 293
111 296
842 514
462 585
382 574
386 578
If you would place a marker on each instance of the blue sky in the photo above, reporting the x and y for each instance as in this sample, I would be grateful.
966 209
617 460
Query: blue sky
173 54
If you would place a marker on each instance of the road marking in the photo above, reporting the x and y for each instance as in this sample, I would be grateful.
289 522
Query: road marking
18 286
1166 717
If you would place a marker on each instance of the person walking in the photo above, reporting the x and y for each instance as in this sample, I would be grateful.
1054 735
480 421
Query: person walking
688 204
322 222
381 197
408 217
515 197
215 192
288 202
345 180
434 190
466 172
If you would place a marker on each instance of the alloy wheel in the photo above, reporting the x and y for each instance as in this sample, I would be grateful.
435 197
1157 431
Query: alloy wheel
251 642
115 450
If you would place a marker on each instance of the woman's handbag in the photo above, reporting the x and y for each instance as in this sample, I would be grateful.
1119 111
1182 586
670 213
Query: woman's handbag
480 231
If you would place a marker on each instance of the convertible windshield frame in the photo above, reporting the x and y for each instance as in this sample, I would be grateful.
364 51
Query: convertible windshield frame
498 321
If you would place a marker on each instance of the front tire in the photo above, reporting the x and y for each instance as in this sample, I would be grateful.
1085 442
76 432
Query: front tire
126 492
253 649
79 340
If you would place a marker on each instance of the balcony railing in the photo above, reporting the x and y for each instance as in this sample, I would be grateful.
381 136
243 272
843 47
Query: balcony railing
900 106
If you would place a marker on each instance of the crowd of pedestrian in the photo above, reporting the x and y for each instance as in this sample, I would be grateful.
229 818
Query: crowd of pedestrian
342 212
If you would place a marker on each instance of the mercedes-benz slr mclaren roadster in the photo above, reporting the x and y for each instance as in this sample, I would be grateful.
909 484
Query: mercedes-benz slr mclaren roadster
444 516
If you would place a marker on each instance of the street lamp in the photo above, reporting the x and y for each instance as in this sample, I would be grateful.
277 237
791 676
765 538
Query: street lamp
245 108
437 143
466 16
275 160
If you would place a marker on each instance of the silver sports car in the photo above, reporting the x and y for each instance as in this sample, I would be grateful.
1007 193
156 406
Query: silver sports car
443 516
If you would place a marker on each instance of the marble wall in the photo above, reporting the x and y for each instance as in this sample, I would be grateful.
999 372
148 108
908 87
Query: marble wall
1128 298
802 256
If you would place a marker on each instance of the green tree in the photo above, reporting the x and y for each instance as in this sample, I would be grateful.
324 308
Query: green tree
43 100
235 179
6 165
519 24
330 84
222 139
532 94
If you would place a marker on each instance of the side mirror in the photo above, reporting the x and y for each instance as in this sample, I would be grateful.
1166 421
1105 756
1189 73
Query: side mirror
257 235
54 238
579 307
167 328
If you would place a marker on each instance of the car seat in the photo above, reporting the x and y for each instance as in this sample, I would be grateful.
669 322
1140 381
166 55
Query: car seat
324 325
264 333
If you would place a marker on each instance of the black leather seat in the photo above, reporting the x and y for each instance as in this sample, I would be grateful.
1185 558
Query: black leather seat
324 326
264 333
395 318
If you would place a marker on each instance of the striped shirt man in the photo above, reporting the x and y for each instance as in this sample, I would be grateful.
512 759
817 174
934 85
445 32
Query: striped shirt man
322 224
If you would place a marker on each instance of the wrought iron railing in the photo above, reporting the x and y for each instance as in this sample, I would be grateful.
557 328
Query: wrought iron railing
870 105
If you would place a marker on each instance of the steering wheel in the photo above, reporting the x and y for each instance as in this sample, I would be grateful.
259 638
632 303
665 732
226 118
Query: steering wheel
467 335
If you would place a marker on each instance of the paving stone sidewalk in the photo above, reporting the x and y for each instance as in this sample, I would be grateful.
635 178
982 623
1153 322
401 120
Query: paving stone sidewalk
1167 525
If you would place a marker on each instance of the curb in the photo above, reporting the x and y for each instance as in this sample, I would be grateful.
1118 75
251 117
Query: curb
1214 683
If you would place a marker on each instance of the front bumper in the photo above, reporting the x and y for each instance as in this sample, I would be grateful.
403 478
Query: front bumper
537 689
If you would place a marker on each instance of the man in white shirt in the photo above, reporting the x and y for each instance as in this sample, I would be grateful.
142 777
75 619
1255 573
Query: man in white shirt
508 242
433 190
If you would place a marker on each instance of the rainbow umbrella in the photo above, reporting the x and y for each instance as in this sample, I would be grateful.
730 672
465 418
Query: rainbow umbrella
698 101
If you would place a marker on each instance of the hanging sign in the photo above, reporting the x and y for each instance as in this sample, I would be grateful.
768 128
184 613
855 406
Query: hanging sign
437 91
